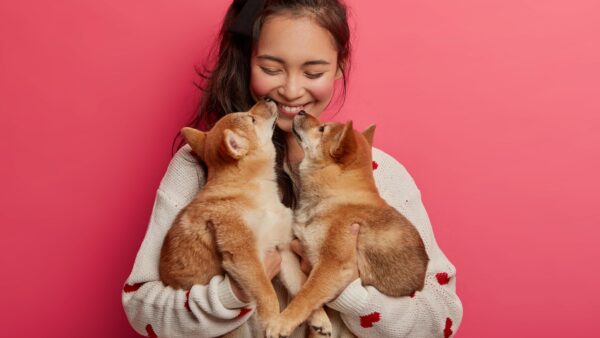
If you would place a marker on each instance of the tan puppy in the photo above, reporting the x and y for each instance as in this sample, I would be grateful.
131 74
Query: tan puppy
236 217
338 189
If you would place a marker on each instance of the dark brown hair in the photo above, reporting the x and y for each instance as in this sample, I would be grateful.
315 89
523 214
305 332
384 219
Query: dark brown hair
226 85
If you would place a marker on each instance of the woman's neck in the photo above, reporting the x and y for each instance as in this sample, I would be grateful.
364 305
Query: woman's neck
294 153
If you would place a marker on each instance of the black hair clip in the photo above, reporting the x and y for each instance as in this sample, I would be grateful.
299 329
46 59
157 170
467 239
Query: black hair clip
244 22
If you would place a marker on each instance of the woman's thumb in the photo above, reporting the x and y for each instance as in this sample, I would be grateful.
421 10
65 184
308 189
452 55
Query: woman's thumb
354 229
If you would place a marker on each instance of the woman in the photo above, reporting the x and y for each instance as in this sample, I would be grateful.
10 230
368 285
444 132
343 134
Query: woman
293 51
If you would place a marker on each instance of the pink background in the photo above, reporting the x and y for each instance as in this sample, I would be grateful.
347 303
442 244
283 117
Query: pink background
493 107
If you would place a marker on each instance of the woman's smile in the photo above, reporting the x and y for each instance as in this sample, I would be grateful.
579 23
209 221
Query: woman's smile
290 110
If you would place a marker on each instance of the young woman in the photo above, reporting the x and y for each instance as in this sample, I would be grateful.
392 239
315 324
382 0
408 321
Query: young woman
293 51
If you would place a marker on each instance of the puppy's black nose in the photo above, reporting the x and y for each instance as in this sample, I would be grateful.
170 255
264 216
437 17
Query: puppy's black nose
268 99
302 113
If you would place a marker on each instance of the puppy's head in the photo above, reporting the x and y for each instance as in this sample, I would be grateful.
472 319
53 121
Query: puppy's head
332 143
236 136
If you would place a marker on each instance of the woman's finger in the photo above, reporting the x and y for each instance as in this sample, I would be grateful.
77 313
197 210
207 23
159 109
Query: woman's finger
305 266
354 229
297 248
272 263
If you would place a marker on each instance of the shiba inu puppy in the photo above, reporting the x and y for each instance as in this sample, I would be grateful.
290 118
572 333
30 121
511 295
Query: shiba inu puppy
236 217
337 189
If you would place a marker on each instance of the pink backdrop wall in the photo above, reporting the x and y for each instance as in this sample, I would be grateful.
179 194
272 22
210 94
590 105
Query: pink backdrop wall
493 106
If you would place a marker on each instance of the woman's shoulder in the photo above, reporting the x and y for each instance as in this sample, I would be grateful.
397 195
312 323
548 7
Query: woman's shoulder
184 158
385 164
184 176
391 177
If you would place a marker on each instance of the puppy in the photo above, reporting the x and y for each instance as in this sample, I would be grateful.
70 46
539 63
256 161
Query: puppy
337 189
236 217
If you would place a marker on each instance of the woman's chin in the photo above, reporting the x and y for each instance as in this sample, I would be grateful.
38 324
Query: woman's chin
285 124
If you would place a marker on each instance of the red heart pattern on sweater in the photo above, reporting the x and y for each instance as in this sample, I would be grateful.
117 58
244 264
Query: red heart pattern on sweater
132 287
187 301
150 331
442 278
243 312
447 329
375 165
368 320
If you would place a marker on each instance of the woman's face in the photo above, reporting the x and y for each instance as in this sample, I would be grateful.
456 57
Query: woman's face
295 63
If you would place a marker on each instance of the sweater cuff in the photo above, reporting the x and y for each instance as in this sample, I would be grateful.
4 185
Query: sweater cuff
352 300
227 297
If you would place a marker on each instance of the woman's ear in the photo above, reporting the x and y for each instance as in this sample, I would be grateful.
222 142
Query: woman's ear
339 73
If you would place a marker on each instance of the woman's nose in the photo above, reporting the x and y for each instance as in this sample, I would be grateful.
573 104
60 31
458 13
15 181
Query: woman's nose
291 89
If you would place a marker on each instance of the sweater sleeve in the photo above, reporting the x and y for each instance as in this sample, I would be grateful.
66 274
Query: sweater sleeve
435 311
154 309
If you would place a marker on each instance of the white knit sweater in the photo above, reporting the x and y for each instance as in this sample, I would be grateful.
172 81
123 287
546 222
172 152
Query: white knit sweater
213 310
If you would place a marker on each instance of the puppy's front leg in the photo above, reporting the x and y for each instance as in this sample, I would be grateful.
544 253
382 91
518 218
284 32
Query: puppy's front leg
329 276
242 262
292 278
247 269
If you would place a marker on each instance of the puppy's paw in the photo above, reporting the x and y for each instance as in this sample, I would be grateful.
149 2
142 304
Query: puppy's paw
319 322
279 328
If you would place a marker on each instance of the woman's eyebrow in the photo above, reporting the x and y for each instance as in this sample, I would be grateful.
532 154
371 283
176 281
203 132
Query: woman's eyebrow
307 63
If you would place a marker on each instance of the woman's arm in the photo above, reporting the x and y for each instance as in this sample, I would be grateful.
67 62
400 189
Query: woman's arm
156 310
436 311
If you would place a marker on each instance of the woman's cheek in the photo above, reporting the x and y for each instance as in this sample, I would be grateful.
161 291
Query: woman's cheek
322 90
260 84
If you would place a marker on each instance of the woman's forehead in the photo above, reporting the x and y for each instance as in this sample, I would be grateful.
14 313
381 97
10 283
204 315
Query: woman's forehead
295 40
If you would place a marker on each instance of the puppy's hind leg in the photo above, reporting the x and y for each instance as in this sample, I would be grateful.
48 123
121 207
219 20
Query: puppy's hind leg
340 330
292 278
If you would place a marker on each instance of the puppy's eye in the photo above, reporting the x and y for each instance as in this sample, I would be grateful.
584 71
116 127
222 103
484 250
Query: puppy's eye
253 119
322 128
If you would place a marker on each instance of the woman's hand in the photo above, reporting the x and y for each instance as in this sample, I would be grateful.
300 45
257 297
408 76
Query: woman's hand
272 264
305 264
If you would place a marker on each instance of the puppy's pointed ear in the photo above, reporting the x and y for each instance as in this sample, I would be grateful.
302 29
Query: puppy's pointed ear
195 138
345 143
368 134
235 144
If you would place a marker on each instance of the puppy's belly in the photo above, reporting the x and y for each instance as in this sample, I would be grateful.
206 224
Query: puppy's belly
272 227
311 237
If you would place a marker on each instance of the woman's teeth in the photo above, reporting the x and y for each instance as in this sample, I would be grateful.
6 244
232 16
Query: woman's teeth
290 110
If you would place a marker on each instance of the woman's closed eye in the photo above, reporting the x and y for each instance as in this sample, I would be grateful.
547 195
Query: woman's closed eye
313 75
270 71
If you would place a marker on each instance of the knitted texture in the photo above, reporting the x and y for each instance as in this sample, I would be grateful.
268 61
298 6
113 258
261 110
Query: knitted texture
211 310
